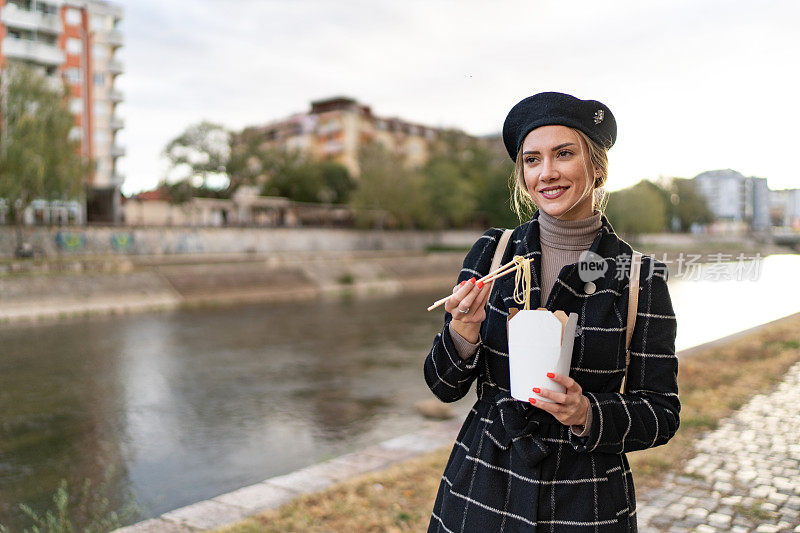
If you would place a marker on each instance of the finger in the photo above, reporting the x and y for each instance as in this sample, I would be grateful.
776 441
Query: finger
483 295
470 297
569 383
551 408
557 397
455 299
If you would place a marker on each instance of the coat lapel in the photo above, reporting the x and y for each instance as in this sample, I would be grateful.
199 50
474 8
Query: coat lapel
606 244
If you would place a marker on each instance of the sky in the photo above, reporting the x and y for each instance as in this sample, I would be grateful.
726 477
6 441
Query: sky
694 85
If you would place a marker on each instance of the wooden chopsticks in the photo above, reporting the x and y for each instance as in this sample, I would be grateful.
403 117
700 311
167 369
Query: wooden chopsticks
509 267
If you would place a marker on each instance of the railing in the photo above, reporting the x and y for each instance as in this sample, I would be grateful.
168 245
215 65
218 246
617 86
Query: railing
115 66
32 51
16 17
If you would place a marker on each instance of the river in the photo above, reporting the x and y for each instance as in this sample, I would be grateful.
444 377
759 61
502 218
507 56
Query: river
178 407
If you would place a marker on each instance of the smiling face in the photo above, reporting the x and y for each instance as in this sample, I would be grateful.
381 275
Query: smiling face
557 169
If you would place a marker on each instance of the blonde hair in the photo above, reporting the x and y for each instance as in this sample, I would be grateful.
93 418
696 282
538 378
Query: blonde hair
521 201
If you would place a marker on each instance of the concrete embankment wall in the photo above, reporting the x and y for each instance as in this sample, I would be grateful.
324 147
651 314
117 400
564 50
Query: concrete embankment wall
120 240
127 284
109 269
81 270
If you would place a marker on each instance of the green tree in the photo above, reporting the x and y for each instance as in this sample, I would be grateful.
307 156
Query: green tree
38 160
468 182
199 154
293 175
386 185
247 163
638 209
688 205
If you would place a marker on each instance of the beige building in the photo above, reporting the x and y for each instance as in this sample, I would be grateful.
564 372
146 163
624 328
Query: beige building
245 208
335 128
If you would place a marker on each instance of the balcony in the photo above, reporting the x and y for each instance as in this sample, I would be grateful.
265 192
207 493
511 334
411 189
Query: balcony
32 51
114 38
117 151
115 66
115 95
117 123
13 16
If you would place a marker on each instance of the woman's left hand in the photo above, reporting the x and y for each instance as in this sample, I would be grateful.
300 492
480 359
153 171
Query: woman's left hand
568 408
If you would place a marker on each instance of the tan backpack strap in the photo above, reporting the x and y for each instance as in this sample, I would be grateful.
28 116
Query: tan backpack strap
633 307
498 256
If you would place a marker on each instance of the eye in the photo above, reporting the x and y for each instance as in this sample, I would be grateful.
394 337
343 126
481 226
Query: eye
531 159
565 153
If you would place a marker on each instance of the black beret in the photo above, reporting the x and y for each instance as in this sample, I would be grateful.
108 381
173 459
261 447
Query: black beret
589 116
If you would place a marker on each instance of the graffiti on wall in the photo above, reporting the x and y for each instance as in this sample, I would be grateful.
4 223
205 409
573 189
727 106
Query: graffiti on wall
70 241
121 242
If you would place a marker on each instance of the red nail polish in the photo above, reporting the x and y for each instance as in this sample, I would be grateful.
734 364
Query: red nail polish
480 284
472 279
532 400
550 375
462 283
537 390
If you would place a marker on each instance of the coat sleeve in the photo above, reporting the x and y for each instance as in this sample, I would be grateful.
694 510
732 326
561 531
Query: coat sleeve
446 373
647 413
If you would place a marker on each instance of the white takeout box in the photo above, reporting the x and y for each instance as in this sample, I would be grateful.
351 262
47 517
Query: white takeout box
536 346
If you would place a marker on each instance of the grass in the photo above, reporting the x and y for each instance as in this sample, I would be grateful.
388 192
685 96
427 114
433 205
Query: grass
712 384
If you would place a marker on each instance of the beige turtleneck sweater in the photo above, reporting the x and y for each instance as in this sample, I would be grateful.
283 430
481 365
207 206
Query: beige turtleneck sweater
562 242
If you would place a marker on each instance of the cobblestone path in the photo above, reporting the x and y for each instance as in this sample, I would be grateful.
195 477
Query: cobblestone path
745 476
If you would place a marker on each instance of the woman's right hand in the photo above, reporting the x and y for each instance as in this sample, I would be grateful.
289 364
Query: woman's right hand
470 297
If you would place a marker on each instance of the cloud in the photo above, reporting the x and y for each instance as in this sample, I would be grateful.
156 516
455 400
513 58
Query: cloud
695 85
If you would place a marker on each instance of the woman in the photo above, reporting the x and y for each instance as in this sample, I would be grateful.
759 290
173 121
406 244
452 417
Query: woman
557 466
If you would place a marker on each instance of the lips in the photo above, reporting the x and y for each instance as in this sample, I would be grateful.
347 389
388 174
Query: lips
553 192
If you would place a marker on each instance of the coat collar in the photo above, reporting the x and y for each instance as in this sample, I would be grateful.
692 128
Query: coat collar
606 244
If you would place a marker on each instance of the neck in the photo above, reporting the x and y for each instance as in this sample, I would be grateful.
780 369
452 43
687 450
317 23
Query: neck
568 234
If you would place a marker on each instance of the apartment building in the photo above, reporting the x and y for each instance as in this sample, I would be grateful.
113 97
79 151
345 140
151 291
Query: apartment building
335 128
785 208
736 199
75 42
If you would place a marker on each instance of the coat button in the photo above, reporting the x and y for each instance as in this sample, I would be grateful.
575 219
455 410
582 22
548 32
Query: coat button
589 288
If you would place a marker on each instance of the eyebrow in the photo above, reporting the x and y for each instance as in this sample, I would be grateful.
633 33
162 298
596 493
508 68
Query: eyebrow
559 147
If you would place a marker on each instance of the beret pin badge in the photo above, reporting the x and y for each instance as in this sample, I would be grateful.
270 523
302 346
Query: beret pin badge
598 116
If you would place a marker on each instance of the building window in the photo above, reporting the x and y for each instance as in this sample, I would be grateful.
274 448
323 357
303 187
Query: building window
20 34
73 75
75 133
76 106
100 51
46 9
73 16
73 46
101 137
99 22
101 109
99 79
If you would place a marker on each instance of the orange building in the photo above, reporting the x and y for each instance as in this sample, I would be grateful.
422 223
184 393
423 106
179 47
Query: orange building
334 129
74 42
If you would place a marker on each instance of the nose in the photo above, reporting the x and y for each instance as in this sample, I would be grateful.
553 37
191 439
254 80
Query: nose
548 170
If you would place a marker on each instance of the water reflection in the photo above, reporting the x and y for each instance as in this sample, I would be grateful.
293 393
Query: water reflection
188 405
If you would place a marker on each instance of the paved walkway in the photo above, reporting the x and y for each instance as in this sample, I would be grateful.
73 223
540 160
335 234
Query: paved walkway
744 477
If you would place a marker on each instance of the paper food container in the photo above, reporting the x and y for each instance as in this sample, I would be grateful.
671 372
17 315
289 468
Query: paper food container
539 342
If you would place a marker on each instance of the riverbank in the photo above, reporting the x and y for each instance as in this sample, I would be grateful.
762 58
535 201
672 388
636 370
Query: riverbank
715 380
89 286
81 285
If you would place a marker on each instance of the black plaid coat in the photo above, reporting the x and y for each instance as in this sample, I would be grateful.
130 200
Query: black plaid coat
515 467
